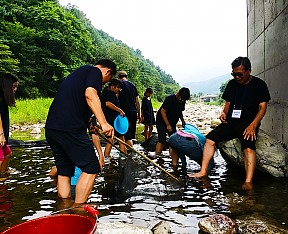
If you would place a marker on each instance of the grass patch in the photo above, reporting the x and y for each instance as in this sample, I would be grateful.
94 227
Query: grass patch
156 105
30 111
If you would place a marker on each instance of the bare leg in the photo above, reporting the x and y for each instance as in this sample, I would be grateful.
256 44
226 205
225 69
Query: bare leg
159 148
97 145
122 146
130 142
4 164
150 129
63 186
250 164
108 148
208 152
174 155
84 187
146 131
53 171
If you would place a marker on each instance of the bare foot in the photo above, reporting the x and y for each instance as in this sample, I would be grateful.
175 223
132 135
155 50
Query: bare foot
197 175
247 186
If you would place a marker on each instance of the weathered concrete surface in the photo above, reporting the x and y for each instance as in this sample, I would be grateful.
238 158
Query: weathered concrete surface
271 157
267 47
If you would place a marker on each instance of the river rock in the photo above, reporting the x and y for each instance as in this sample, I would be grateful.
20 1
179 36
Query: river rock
161 228
36 130
121 228
218 224
257 225
271 157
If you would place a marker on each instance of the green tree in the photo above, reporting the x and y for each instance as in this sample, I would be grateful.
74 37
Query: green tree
8 64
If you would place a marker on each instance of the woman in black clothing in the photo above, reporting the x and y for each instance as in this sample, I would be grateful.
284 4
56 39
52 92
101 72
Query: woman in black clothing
8 86
148 118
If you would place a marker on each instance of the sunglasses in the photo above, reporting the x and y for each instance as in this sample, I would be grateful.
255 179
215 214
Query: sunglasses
239 74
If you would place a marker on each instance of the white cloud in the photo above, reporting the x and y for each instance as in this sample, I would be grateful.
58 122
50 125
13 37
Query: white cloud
189 39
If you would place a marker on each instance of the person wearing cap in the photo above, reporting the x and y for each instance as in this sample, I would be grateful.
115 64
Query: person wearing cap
246 98
188 141
66 127
169 114
130 104
111 109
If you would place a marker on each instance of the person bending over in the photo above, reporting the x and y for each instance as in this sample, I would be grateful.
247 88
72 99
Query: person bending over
66 127
187 142
169 114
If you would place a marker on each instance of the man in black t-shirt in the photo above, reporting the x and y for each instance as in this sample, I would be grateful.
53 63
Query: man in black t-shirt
169 114
66 127
130 104
246 99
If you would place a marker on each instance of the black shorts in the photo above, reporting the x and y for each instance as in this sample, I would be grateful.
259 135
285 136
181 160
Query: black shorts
70 149
225 132
162 131
132 119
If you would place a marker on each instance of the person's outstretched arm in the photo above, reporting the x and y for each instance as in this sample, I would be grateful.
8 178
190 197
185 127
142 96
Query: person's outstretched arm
94 103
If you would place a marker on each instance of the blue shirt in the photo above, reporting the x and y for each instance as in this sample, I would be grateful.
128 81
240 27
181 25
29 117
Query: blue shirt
191 129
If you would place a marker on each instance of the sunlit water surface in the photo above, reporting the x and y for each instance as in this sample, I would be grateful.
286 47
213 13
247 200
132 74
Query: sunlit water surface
29 192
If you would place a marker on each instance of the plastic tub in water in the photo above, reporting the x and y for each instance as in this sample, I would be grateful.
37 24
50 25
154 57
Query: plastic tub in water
56 224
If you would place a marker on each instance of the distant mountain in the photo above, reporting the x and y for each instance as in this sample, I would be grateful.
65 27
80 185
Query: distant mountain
210 86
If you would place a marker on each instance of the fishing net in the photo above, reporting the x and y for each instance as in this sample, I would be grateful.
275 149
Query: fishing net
138 177
138 174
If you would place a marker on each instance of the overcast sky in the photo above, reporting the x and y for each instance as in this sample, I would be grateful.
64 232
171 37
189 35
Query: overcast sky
191 40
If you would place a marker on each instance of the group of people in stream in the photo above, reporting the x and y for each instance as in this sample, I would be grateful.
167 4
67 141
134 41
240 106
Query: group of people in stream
81 104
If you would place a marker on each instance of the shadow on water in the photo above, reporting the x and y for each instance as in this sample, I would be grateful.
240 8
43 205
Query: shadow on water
136 192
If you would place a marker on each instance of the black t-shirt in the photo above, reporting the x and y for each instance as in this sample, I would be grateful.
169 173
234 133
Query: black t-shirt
173 110
109 96
69 110
127 97
147 111
246 97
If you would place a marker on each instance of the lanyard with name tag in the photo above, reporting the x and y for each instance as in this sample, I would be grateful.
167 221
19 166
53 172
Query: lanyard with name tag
236 113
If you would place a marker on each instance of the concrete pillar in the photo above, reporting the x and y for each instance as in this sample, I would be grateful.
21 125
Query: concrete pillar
267 45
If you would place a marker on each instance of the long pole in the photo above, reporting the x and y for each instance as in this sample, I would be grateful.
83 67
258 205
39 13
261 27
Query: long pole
141 154
148 159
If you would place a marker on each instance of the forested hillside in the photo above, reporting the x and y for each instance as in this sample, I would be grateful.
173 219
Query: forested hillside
42 42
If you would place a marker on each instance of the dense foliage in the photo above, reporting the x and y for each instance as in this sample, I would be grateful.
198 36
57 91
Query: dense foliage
42 42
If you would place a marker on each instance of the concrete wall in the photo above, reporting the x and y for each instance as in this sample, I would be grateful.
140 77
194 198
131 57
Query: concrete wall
267 45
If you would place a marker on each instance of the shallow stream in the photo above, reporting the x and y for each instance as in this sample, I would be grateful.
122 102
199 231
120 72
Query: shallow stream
29 192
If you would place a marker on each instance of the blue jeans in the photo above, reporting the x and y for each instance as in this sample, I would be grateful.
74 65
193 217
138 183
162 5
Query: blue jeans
189 147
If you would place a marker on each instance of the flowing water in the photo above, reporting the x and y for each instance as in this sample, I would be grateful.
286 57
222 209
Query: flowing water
153 196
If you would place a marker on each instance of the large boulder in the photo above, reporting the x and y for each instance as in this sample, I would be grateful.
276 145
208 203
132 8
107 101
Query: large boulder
257 224
162 227
218 224
271 157
222 224
151 142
